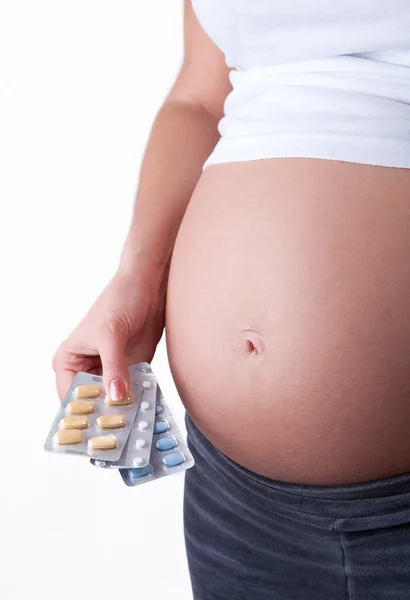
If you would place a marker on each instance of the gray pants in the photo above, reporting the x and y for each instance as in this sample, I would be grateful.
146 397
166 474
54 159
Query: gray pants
253 538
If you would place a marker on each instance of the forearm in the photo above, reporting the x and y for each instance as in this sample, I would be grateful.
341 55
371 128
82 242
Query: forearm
182 136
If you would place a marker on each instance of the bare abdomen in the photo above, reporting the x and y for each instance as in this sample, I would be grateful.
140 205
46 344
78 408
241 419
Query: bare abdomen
288 317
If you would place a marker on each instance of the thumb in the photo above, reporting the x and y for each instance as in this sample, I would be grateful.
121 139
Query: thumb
115 369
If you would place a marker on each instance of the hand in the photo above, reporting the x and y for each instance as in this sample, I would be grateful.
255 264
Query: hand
123 327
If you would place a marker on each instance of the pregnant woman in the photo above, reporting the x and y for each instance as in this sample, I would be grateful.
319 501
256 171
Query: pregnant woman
271 239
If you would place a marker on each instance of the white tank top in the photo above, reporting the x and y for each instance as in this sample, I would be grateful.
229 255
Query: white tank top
322 79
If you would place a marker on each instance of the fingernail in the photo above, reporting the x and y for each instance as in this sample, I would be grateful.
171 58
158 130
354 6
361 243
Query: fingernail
118 390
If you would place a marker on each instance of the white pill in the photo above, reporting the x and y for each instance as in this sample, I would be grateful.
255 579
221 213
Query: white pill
142 425
144 405
138 461
140 444
146 385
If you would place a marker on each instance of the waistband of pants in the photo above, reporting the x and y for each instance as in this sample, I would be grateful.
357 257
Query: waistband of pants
347 507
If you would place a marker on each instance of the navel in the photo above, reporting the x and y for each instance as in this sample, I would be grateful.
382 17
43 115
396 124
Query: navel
254 342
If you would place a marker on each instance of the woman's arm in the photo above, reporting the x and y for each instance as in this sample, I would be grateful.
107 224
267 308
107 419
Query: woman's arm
126 322
184 133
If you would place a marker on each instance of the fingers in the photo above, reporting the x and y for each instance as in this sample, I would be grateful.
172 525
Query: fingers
108 351
64 380
64 374
67 364
115 367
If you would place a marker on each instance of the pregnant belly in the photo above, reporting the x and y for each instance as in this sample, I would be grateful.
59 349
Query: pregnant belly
287 318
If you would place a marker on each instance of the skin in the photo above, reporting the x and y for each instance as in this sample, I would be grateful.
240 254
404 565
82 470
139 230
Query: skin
288 330
126 322
284 288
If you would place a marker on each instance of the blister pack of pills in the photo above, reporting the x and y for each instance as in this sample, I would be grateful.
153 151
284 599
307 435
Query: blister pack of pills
138 447
169 452
90 424
137 436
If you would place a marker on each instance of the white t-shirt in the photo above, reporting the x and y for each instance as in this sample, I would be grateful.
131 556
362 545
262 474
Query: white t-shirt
322 79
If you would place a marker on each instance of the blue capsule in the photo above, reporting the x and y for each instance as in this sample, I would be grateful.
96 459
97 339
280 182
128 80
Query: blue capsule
141 472
166 443
158 409
161 427
173 460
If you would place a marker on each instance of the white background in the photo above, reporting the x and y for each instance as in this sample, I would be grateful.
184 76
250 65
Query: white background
80 84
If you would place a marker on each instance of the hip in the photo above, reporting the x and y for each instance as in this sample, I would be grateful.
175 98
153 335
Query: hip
250 536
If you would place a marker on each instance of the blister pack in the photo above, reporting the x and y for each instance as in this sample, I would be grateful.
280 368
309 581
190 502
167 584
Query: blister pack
90 424
137 450
169 452
137 436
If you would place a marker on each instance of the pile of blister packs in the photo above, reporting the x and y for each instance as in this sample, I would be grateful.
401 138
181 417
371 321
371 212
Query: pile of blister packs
137 435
